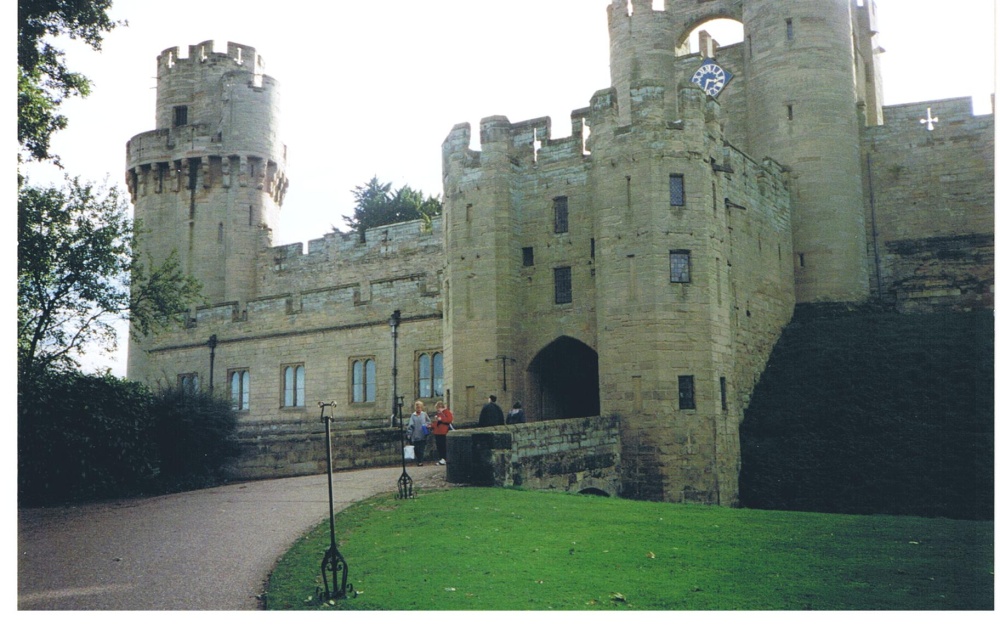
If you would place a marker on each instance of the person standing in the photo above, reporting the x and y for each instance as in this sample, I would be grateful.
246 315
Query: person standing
417 430
491 414
439 428
516 414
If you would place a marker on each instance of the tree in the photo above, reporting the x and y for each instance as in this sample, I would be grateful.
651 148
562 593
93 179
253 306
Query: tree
376 204
77 273
43 80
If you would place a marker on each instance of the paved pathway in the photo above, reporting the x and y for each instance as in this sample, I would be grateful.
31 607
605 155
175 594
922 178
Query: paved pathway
209 549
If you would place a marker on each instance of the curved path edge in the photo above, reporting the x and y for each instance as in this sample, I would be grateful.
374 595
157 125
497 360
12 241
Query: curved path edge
209 549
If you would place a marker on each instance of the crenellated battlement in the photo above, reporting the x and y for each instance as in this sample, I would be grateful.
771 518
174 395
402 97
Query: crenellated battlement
238 56
689 113
342 282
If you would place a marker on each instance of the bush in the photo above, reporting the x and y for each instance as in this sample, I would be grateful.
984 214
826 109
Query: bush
82 437
195 434
93 437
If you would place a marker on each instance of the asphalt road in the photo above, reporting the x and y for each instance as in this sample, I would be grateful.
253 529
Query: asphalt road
209 549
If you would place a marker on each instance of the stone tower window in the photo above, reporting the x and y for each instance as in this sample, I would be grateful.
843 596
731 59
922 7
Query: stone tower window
722 393
789 32
676 189
680 266
527 257
561 207
563 285
180 115
239 389
685 392
363 381
293 386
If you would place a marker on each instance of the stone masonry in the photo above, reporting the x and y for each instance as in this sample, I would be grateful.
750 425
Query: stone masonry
625 284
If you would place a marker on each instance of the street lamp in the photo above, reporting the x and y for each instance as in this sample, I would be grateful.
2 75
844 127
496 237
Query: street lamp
405 483
333 561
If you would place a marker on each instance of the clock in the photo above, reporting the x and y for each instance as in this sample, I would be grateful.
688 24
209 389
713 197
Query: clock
711 77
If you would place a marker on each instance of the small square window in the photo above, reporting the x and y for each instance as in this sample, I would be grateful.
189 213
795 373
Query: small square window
685 388
676 189
561 208
564 285
680 266
527 257
180 115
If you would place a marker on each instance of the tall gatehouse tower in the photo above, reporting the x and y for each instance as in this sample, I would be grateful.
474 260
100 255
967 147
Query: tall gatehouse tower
797 91
209 181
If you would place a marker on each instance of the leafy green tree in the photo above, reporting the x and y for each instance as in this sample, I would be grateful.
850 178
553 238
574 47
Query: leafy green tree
43 79
376 204
77 274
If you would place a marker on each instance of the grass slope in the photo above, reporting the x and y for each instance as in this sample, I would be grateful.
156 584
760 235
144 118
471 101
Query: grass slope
503 549
871 412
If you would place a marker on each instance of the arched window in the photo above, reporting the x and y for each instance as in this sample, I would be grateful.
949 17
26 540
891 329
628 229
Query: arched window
430 370
294 386
363 381
239 389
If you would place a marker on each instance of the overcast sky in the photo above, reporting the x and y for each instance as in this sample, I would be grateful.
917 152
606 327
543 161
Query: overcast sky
373 87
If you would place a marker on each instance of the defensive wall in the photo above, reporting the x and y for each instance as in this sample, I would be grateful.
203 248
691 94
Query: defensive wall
320 310
931 194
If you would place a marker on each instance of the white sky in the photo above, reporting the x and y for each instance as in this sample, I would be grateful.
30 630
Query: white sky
373 87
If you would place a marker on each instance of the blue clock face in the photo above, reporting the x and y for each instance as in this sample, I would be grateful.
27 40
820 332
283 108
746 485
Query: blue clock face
711 77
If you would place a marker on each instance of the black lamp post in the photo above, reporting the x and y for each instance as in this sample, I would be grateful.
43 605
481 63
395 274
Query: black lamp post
405 483
333 561
213 342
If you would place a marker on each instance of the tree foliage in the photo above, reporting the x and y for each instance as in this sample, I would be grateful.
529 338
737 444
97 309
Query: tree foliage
43 79
377 204
77 274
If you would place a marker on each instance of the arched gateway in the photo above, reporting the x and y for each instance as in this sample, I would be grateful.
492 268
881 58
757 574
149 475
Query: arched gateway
563 381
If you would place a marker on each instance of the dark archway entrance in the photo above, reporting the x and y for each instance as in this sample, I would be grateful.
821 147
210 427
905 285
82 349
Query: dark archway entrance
564 380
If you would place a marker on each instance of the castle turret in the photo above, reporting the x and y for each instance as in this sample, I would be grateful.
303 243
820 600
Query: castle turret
209 181
802 111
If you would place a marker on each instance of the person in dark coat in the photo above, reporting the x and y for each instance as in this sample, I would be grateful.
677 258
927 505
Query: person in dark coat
516 415
491 414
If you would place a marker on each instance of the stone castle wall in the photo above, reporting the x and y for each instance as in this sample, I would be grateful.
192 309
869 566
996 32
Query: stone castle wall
329 307
931 206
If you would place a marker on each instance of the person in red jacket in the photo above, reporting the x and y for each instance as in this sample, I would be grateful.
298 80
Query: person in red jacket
440 427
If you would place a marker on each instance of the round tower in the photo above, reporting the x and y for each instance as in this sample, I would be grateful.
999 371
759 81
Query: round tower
207 184
802 111
642 52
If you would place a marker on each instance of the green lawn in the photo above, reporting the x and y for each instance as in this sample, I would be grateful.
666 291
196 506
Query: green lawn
503 549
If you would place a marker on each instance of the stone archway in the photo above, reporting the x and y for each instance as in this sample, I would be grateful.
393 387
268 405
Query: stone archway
564 381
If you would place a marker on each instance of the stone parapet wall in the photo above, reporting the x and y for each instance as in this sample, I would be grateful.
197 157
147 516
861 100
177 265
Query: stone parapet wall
570 455
281 449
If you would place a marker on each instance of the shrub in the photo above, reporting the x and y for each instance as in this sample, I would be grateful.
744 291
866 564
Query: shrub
93 437
195 434
82 437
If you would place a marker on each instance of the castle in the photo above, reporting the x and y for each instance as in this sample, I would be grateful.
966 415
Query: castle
640 269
